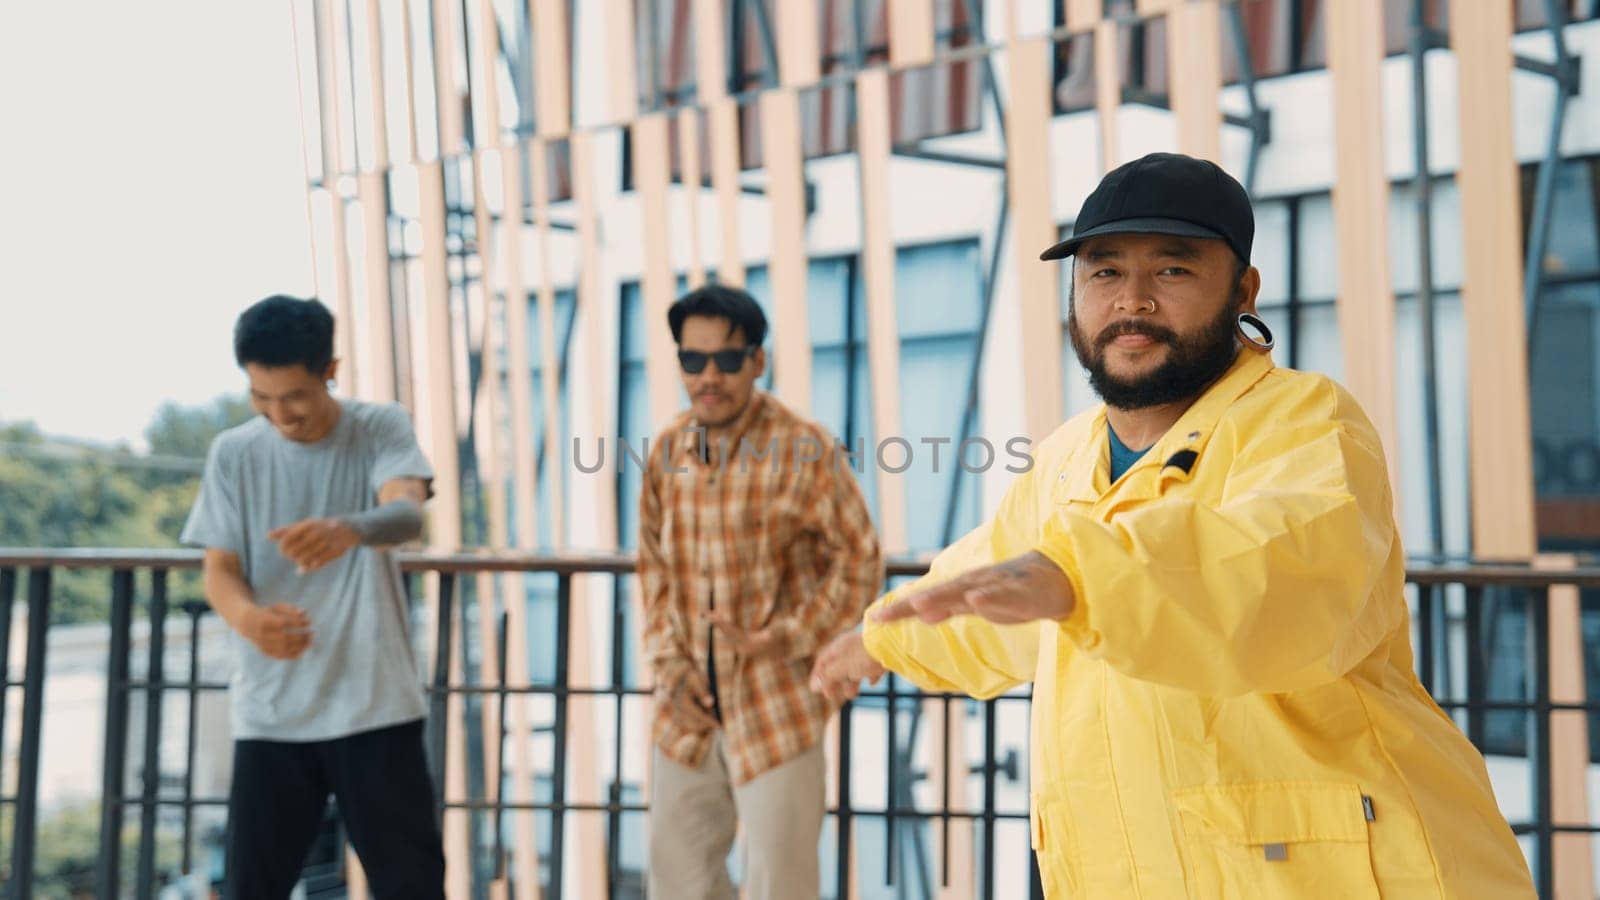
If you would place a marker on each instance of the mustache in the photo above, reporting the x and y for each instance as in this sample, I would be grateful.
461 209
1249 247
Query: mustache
1134 326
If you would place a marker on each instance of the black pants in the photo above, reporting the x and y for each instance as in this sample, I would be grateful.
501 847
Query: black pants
385 796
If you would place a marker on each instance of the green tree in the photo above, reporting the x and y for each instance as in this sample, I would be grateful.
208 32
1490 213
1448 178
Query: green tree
56 493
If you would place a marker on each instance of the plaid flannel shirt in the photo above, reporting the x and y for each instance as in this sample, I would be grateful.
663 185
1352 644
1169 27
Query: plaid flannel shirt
772 529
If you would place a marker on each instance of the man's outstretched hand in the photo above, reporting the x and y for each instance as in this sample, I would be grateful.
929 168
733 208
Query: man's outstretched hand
841 666
1025 589
313 543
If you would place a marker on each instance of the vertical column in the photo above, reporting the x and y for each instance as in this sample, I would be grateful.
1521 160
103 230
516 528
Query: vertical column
1361 213
551 374
583 732
651 175
1028 190
1194 47
624 71
799 53
911 38
1108 93
688 122
330 62
444 521
724 122
1499 428
514 587
791 330
553 88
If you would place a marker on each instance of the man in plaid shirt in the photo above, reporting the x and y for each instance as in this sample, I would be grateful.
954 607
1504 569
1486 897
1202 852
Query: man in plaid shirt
755 548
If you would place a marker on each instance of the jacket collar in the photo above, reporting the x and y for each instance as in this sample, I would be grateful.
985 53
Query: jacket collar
1176 453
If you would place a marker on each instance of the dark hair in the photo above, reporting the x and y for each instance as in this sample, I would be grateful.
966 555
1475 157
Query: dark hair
285 331
723 302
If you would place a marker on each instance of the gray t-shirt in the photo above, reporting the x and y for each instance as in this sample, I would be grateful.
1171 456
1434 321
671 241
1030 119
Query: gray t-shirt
359 673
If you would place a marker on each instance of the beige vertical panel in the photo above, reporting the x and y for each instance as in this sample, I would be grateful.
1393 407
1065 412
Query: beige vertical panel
910 33
486 84
444 521
1194 46
1155 7
334 140
799 53
711 49
1028 190
302 32
877 262
380 109
791 330
1361 213
525 865
380 309
1107 94
487 439
624 69
1500 442
552 67
1569 735
550 368
1084 14
337 131
693 189
447 96
653 178
724 129
344 339
406 63
583 734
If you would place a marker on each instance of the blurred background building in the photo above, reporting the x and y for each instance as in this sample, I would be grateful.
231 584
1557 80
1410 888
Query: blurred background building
505 196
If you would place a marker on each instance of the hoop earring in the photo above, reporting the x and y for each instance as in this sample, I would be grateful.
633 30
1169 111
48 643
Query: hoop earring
1265 343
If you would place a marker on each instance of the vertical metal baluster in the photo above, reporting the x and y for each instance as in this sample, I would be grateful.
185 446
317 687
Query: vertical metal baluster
114 762
1538 601
558 788
500 756
438 716
155 681
892 863
26 810
195 611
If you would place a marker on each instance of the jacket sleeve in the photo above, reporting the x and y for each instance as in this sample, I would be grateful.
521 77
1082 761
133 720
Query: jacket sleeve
852 566
967 654
1287 584
665 649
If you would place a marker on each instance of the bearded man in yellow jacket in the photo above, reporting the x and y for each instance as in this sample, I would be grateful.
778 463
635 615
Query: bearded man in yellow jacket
1204 581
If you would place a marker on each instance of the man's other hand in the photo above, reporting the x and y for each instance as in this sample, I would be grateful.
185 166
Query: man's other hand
689 699
841 666
281 631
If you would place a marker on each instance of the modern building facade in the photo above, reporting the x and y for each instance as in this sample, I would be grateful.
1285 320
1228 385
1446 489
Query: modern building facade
506 196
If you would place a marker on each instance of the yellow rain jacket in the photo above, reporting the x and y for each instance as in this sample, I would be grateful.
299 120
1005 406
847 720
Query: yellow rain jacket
1231 709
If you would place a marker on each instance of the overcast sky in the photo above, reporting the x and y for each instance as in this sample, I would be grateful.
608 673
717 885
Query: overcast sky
151 187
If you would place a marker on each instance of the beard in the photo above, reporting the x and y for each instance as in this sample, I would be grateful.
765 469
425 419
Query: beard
1193 361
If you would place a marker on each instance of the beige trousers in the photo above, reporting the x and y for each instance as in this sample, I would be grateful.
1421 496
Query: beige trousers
695 812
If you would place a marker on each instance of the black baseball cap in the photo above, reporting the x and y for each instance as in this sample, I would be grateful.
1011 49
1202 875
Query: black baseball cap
1165 193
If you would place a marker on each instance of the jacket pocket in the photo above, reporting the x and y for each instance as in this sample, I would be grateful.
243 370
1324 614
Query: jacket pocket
1051 837
1303 839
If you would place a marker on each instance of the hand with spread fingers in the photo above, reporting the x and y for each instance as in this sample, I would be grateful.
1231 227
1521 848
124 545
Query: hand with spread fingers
842 665
313 543
748 643
690 701
1025 589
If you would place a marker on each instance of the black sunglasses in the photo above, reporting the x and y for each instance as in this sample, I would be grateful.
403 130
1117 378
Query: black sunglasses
729 361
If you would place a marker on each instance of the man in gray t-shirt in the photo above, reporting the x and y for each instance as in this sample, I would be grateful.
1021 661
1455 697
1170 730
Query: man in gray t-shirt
295 512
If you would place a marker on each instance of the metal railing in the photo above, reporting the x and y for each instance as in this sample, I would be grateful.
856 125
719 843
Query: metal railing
1461 615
